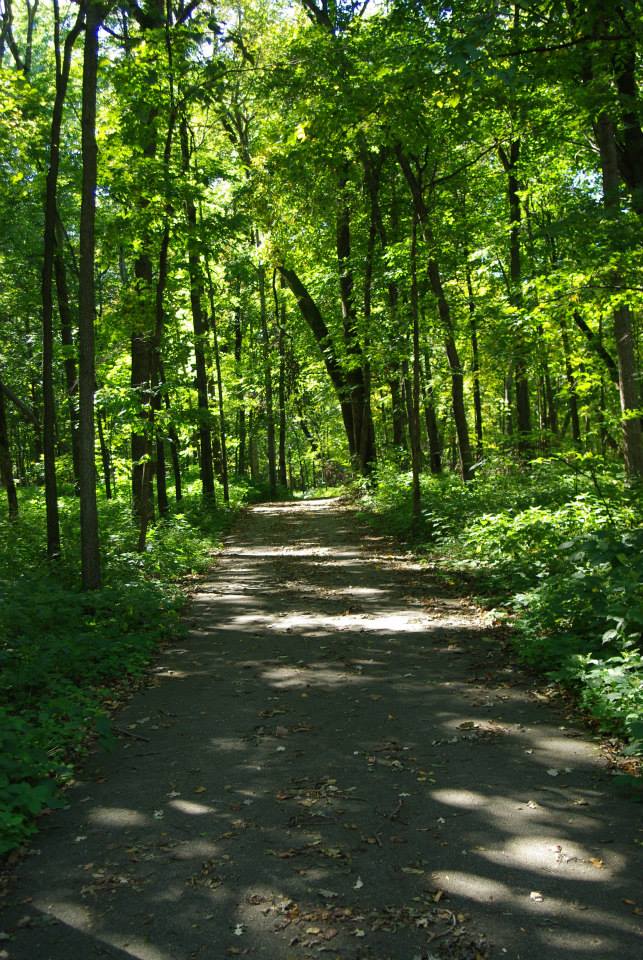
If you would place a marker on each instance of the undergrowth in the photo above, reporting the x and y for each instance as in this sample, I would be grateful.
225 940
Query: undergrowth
559 548
62 652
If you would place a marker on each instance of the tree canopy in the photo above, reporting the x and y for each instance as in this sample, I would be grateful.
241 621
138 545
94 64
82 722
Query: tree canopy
288 240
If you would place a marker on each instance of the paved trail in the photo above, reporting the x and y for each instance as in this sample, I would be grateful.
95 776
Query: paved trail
336 762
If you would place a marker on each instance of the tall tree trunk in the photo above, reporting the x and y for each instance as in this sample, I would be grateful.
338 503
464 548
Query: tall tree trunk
173 439
357 376
89 542
280 321
430 418
105 455
444 311
414 419
67 339
63 65
397 411
241 415
623 332
571 383
267 377
475 367
196 294
338 376
142 371
6 466
520 364
223 430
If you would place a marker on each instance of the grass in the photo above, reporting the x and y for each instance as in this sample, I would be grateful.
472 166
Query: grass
63 653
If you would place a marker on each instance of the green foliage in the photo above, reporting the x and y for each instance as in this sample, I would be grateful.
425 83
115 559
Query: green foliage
62 652
562 551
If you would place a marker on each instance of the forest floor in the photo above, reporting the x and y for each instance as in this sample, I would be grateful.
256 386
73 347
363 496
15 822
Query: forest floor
340 760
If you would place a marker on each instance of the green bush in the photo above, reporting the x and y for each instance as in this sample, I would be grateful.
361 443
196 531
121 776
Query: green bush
560 546
63 651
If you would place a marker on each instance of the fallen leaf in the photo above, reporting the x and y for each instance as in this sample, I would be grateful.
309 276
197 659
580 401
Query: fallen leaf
597 863
536 895
359 883
552 772
200 789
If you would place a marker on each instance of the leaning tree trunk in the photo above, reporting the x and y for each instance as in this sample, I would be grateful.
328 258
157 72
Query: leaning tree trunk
435 281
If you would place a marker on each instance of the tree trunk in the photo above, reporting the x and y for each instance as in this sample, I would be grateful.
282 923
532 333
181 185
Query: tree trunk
105 456
397 413
414 419
267 379
196 294
435 281
63 64
67 339
571 384
523 411
89 542
623 332
475 367
356 376
280 320
6 466
430 418
173 439
223 430
241 416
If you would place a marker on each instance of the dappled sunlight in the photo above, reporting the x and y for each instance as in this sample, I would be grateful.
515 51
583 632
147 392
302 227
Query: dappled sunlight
285 677
475 887
340 770
191 808
199 849
120 817
563 748
543 855
464 799
67 911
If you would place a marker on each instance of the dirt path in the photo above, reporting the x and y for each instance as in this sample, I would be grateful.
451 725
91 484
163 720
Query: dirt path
334 763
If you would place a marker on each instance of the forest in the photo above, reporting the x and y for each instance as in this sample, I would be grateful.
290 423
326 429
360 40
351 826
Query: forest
277 249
